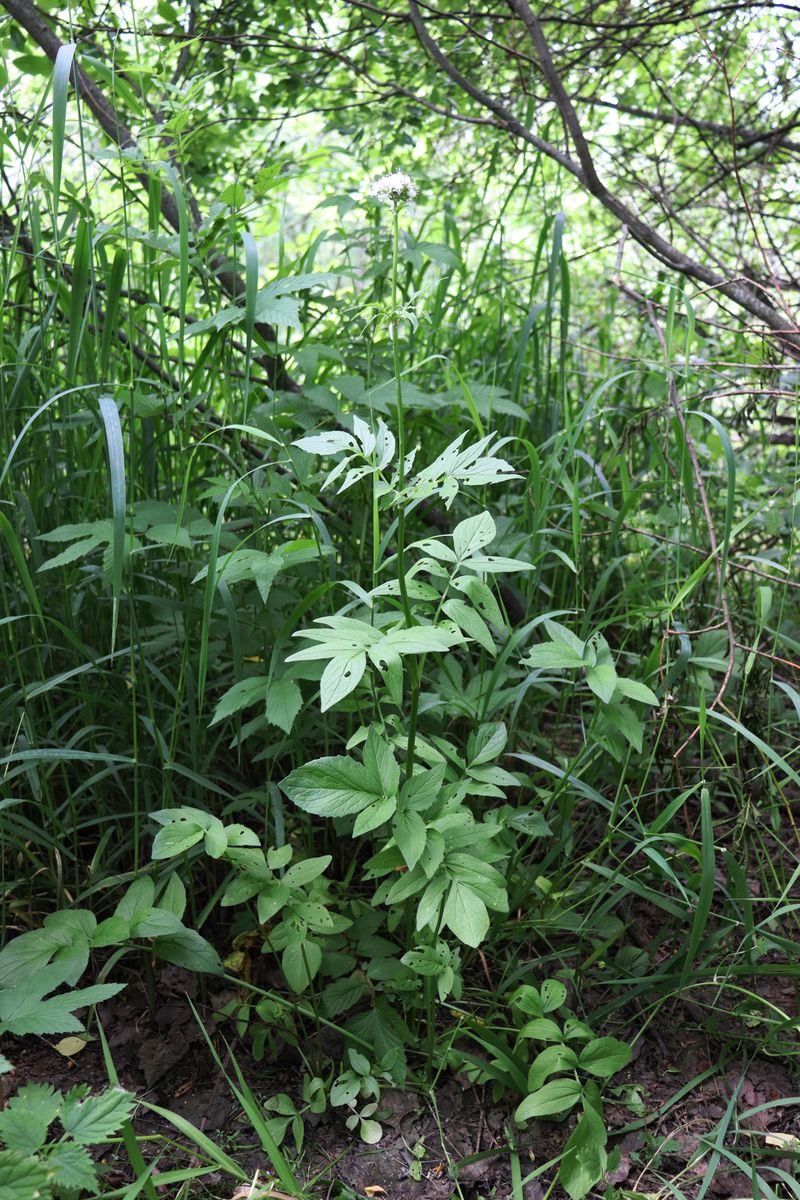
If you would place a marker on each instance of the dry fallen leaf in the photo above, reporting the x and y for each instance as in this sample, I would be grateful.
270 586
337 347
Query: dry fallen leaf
785 1141
70 1046
375 1189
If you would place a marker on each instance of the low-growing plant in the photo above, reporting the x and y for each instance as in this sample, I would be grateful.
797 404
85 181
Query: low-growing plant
38 1161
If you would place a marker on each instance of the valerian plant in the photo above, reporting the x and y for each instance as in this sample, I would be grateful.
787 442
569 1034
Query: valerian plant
430 814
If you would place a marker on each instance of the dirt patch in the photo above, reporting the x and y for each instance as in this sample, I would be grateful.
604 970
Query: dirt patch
456 1140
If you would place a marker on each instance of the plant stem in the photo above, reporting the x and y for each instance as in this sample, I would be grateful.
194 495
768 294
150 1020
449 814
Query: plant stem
401 425
414 675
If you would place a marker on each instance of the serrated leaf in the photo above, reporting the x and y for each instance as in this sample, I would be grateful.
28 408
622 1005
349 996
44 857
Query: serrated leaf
240 695
71 1168
27 1117
284 701
342 995
97 1117
22 1009
22 1178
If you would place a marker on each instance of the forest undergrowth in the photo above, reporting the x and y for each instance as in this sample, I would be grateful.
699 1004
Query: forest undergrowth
399 644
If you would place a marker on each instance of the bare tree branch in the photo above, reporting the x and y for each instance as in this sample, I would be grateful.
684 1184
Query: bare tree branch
742 292
32 21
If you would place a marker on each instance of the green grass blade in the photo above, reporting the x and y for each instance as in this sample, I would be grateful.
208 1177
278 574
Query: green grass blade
706 890
61 73
116 466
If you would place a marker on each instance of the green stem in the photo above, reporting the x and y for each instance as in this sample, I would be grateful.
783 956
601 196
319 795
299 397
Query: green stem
414 676
401 425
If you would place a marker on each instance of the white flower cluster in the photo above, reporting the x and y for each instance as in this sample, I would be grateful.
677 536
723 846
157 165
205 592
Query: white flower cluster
395 189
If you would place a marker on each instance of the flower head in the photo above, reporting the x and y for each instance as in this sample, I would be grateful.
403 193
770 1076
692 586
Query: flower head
395 189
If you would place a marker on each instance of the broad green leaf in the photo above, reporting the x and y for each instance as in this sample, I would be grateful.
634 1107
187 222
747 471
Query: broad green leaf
341 676
554 994
410 834
561 636
471 623
553 656
327 443
634 690
482 598
369 1131
301 873
465 914
584 1162
556 1097
473 534
548 1061
332 787
155 922
189 949
485 745
629 724
173 897
543 1029
604 1057
496 564
602 679
300 963
374 814
422 639
379 758
111 932
174 839
141 893
215 842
